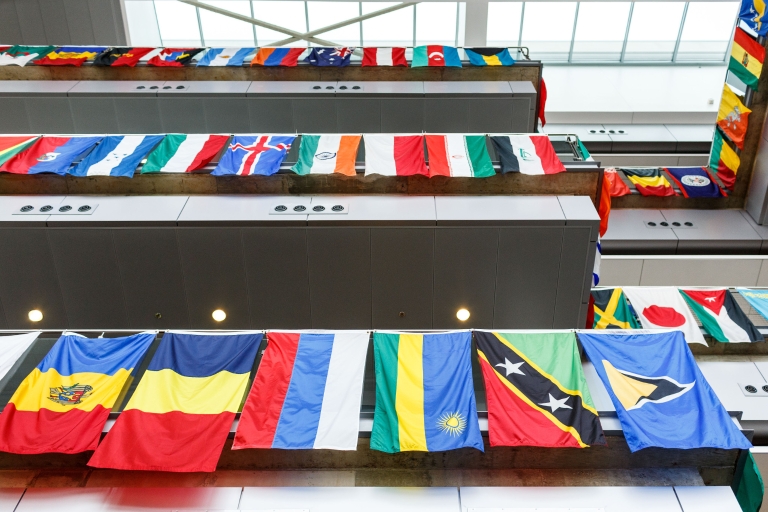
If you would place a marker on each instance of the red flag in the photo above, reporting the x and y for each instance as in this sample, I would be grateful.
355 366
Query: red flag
618 187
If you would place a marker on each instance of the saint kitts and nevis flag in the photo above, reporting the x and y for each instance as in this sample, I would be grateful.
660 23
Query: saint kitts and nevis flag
117 155
70 56
22 55
459 155
720 315
747 57
327 154
180 415
394 155
527 154
662 307
724 160
536 390
184 153
174 57
49 154
254 155
650 181
489 56
733 116
384 57
611 311
13 144
63 404
117 57
217 57
435 56
288 57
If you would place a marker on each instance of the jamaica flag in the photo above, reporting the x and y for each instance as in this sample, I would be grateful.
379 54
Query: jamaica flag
612 310
536 390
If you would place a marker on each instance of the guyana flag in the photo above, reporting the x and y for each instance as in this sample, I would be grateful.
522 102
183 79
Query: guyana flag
650 182
720 316
536 390
612 311
732 117
747 56
724 161
12 144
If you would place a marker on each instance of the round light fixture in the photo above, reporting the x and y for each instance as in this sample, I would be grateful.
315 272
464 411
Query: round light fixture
219 315
35 315
462 315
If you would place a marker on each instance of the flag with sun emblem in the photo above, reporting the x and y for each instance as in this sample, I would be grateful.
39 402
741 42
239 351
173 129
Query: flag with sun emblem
536 391
425 399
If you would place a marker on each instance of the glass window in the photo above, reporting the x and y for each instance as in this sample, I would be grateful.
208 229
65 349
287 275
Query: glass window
322 14
287 14
178 24
504 23
600 31
142 23
707 31
391 29
547 29
653 31
220 30
436 23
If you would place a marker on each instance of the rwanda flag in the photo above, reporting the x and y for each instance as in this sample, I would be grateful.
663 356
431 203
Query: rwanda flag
489 56
612 311
537 393
425 400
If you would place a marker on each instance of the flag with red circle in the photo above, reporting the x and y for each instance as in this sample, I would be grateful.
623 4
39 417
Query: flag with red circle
662 307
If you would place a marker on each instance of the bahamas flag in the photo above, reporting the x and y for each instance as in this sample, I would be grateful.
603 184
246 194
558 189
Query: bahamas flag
63 404
489 56
425 400
180 414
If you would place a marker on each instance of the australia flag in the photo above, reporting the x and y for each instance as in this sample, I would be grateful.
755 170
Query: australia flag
338 57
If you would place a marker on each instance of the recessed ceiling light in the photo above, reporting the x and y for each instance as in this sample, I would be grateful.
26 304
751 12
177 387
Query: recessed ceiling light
219 315
462 315
35 315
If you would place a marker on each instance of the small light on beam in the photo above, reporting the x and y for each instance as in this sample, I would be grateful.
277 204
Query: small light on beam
219 315
462 315
35 315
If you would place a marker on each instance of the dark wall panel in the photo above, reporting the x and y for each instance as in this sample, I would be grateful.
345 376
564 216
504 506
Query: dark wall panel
31 22
55 21
50 115
270 116
402 115
228 115
107 21
358 115
138 115
14 118
94 115
446 115
574 267
10 30
182 115
80 23
314 115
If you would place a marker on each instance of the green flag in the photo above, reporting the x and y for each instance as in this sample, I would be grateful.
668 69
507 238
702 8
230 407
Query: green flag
612 310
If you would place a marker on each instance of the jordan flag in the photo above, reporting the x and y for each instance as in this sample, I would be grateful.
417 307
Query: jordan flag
662 307
721 317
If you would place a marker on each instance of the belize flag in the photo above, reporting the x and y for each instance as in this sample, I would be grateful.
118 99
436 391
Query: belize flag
307 392
277 57
49 154
435 56
117 155
216 57
254 154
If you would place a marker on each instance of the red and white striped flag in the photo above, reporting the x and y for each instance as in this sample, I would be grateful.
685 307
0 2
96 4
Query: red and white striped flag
384 57
394 155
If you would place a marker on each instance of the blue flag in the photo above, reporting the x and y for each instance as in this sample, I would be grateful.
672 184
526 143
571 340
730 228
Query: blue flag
323 57
695 182
254 154
752 13
758 299
661 397
117 155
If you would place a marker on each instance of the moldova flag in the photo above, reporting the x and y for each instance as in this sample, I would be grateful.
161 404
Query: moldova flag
747 57
70 56
650 182
63 404
489 56
435 56
425 399
724 161
277 57
49 154
13 144
179 417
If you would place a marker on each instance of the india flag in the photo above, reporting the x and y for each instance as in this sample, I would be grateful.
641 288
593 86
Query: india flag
184 153
394 155
459 155
327 154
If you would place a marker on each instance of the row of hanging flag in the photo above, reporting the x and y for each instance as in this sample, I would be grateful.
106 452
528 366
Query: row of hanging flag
422 56
652 181
244 155
307 394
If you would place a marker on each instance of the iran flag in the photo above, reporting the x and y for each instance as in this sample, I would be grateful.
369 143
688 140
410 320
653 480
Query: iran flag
720 315
384 57
662 307
394 155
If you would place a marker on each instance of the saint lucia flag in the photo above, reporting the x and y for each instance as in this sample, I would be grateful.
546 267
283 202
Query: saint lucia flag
216 57
117 155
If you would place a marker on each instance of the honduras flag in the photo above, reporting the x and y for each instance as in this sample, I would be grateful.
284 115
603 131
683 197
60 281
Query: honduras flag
225 57
661 397
338 57
117 155
254 154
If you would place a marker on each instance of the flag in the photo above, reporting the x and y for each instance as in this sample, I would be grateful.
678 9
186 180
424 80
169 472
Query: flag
277 57
542 102
117 155
49 154
176 57
217 57
454 154
22 55
4 48
435 56
611 310
180 415
324 57
307 392
758 299
425 400
70 56
695 182
63 404
650 182
747 57
13 144
720 316
326 154
394 155
596 265
254 154
527 154
384 57
752 13
617 186
747 484
117 57
184 153
724 161
661 397
662 307
733 116
489 56
536 390
13 348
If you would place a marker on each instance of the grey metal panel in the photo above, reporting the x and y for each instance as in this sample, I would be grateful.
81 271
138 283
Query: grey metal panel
94 115
138 115
575 268
31 87
628 233
579 211
692 138
498 210
28 280
278 277
714 231
240 210
31 22
707 499
380 89
498 115
10 27
522 88
226 115
49 115
465 274
3 321
594 136
365 210
14 118
150 270
121 88
271 115
11 205
180 499
86 264
214 276
314 115
641 138
401 277
64 500
453 89
358 115
182 115
203 88
339 277
725 377
123 211
527 277
444 115
78 18
54 21
291 89
402 115
107 16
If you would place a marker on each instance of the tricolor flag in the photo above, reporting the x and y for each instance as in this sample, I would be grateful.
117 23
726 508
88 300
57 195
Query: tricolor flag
180 415
63 404
611 310
22 55
489 56
184 153
720 315
724 161
733 116
333 57
394 155
12 144
174 57
384 57
752 13
617 186
650 181
288 57
117 155
695 182
70 56
326 154
527 154
307 392
747 57
216 57
435 56
425 398
459 155
254 154
116 57
536 390
662 307
49 154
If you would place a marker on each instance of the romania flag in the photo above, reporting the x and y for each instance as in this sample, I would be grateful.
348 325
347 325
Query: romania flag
425 400
63 404
489 56
650 182
747 57
181 412
733 116
724 161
